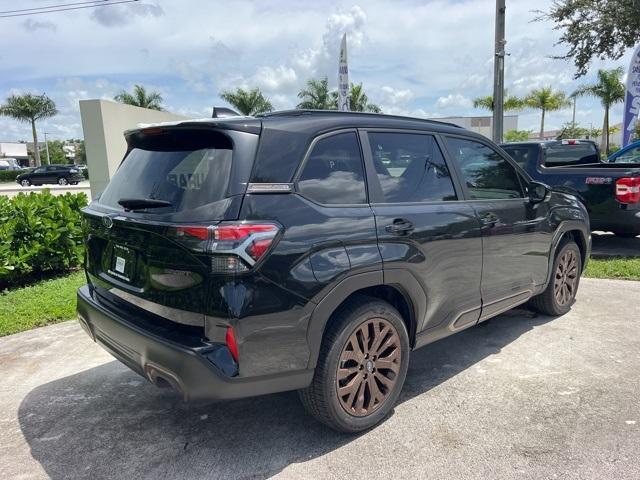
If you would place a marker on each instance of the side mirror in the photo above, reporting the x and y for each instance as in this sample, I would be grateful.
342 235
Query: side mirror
538 192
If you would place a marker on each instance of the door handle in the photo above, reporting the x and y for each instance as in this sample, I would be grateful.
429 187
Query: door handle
400 226
489 219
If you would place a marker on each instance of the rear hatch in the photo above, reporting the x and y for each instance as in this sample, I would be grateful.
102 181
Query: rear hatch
148 234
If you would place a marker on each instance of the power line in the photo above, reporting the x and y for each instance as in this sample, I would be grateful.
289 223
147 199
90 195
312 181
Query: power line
25 13
51 6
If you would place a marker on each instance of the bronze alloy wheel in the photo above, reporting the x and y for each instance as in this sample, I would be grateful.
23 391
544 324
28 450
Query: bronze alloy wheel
566 279
368 367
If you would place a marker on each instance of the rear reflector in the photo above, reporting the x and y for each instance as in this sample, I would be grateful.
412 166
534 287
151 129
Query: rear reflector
628 190
230 340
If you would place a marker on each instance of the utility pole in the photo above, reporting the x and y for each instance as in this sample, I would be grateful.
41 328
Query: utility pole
498 74
573 117
46 147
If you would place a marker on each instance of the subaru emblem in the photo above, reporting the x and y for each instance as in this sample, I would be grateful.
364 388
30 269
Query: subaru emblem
107 222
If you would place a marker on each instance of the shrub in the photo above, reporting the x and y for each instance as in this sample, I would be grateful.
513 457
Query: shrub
41 235
10 175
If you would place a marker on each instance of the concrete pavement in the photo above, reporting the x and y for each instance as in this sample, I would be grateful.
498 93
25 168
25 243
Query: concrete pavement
522 397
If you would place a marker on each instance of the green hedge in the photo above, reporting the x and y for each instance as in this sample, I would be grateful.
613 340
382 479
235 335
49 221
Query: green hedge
10 175
41 235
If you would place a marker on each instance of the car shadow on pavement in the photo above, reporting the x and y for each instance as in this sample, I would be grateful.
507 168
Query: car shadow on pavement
109 422
607 245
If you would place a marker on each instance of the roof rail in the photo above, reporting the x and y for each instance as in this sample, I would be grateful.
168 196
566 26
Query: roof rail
300 112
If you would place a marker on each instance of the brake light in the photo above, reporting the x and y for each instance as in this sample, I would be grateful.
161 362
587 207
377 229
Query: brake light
232 345
628 190
235 247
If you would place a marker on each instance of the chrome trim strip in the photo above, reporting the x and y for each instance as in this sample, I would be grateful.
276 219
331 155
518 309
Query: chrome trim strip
270 188
174 314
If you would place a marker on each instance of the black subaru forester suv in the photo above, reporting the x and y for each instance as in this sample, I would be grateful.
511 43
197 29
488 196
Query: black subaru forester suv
313 250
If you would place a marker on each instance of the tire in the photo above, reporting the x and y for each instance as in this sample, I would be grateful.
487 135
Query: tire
626 234
25 182
568 258
354 412
74 183
63 181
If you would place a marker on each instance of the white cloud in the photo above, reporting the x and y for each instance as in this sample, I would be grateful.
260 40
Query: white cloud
454 100
33 25
394 96
322 59
117 15
413 57
275 79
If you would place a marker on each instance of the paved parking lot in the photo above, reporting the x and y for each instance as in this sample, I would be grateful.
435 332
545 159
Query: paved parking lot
11 189
607 245
524 397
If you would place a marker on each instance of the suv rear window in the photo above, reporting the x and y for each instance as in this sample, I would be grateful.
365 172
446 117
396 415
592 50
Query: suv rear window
560 154
187 173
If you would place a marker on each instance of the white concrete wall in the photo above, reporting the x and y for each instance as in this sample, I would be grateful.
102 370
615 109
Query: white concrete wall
103 124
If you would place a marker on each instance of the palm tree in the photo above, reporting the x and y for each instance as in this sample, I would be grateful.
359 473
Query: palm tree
511 102
610 90
546 100
29 108
316 95
140 98
247 102
358 100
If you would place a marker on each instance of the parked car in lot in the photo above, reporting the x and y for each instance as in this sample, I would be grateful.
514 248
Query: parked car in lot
628 154
610 191
60 174
9 164
238 257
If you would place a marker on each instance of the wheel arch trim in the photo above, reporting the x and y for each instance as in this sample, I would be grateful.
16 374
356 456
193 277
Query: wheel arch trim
565 227
409 289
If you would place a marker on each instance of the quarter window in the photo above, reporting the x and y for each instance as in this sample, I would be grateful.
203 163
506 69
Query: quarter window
410 168
486 173
333 173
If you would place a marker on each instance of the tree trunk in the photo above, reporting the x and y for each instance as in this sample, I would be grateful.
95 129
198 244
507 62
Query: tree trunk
542 126
36 151
604 144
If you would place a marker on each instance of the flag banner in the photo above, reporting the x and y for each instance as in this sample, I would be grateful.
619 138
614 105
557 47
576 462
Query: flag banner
343 77
632 99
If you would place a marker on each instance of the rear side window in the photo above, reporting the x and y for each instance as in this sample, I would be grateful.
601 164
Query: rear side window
487 174
169 170
410 168
557 155
333 173
523 155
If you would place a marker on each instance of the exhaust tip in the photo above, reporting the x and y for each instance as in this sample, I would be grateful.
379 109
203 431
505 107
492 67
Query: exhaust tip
164 379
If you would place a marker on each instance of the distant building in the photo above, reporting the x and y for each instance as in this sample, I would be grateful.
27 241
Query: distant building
15 150
483 124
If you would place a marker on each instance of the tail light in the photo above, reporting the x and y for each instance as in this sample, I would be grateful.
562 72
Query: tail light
628 190
235 247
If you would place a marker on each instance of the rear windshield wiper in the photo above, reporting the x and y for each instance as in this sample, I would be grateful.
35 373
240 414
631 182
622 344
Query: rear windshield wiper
139 203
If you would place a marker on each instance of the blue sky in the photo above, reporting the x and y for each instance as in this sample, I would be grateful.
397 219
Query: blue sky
422 58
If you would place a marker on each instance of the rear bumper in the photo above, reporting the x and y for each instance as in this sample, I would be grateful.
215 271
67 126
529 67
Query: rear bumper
188 370
619 220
